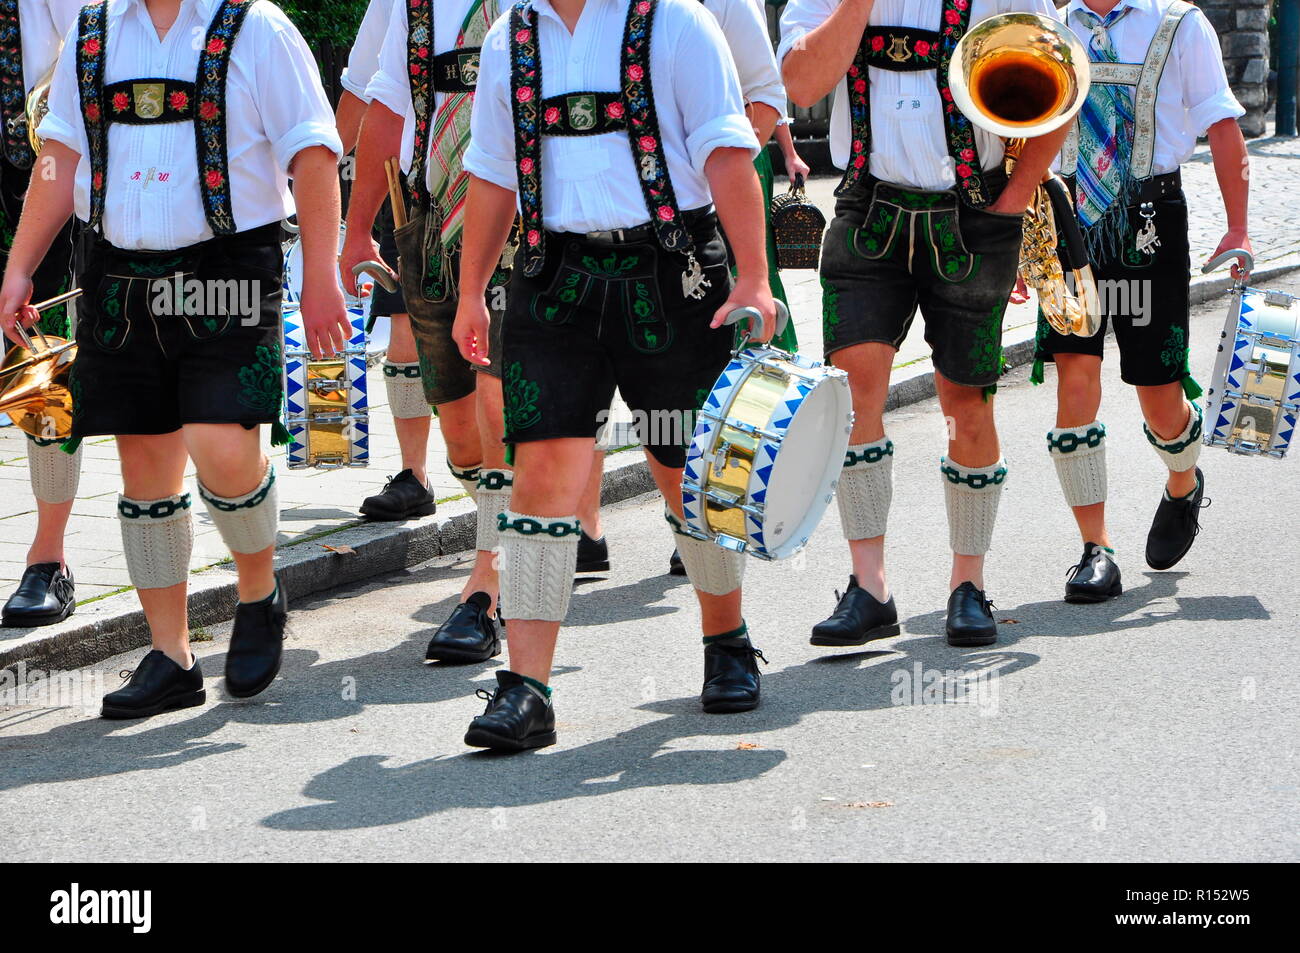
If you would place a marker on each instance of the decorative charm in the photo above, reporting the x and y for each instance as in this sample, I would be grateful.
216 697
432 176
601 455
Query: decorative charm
694 281
1147 240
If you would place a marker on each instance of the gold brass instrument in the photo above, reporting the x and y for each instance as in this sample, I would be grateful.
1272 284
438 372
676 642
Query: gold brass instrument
34 381
1019 76
38 105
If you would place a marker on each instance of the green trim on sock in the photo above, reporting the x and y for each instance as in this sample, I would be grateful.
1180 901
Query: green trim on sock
733 634
534 683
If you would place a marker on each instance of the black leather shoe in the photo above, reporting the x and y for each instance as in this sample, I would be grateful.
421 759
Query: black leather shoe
158 684
256 644
859 618
593 554
675 565
1175 527
45 595
970 619
403 498
731 680
468 635
1094 578
517 717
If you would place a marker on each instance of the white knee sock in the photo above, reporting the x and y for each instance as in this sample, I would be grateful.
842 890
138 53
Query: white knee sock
55 475
539 556
1181 453
709 567
405 390
972 495
246 523
157 537
1079 454
493 499
467 477
866 488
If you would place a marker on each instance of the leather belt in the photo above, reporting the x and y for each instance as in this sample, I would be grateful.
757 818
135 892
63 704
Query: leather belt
1166 186
643 234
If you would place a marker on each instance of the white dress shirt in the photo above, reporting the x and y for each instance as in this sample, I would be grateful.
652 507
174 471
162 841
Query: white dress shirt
363 59
1193 93
275 108
44 24
744 24
589 183
391 84
909 144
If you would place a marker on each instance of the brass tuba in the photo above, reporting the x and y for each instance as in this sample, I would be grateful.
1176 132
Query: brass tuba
38 104
1021 75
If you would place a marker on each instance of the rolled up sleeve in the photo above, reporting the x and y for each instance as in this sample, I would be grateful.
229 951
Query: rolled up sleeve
391 83
1207 97
63 123
363 60
491 152
746 30
295 111
800 18
708 93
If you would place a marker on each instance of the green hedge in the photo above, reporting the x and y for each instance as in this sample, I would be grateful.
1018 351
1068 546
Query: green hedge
326 22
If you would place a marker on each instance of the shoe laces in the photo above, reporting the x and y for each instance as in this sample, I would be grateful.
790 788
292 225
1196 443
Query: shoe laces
126 674
758 653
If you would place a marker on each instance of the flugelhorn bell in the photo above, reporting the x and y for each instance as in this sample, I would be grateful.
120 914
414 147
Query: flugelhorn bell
1019 75
34 377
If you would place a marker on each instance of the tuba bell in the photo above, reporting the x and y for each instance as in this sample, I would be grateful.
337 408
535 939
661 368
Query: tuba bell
1019 76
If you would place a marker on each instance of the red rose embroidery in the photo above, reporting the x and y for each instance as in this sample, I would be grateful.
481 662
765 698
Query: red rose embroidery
922 48
526 165
97 181
524 94
552 114
857 145
859 162
647 143
666 213
951 16
91 47
635 72
853 71
643 8
967 154
534 237
214 179
179 100
93 113
614 110
960 4
877 43
859 85
120 101
216 45
946 93
522 36
208 110
963 170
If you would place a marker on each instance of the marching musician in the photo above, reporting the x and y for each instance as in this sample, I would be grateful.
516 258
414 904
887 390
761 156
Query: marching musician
1125 158
907 149
614 127
31 32
175 214
421 99
407 494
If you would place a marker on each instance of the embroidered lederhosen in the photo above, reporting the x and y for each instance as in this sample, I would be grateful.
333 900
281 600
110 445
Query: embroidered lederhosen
146 101
13 87
908 49
587 113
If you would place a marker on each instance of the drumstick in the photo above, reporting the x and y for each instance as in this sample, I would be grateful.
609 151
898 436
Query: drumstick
393 168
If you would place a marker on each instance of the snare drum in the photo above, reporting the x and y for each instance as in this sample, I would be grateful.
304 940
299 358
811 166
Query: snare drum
1254 397
767 452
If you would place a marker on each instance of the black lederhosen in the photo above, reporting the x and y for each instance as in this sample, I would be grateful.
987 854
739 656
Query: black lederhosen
890 249
1145 297
601 315
54 274
387 303
140 370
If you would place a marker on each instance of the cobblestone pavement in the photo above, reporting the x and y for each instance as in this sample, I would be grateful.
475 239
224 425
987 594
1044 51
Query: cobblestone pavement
319 502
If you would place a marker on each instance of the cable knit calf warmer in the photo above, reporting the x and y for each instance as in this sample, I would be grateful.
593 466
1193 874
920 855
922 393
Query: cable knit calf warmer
55 475
972 495
866 489
709 567
1079 454
539 556
246 523
493 498
405 391
157 537
1181 453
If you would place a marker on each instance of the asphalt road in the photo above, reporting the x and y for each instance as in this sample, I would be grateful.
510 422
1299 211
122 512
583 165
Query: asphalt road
1160 726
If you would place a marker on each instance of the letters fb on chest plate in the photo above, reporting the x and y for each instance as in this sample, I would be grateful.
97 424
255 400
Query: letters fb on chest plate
585 113
154 100
909 49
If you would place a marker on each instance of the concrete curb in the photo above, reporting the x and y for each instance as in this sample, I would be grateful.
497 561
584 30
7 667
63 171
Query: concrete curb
116 624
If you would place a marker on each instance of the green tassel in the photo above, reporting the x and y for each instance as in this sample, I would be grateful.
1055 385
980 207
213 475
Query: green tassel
510 454
71 446
1190 387
280 434
1036 375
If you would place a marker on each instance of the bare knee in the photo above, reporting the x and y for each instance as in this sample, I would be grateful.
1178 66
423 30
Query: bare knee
1165 408
1078 389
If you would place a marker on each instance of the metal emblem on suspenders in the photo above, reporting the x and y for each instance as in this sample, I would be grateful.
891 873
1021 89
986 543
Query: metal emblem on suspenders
1146 240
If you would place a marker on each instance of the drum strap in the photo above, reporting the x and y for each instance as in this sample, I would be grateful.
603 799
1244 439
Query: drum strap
590 113
907 49
13 87
162 100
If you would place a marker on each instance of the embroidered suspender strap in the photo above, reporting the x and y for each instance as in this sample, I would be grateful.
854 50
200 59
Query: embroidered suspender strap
90 81
526 94
643 130
1145 77
210 124
904 49
419 61
139 102
13 87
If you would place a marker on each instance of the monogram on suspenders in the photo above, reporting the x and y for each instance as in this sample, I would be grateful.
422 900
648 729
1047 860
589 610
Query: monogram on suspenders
908 49
584 113
1144 77
148 101
13 87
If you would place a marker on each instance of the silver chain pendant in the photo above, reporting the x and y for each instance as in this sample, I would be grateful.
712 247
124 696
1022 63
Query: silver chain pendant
694 282
1147 240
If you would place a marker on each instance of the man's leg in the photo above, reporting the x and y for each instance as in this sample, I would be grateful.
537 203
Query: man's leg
407 494
46 594
1173 427
238 486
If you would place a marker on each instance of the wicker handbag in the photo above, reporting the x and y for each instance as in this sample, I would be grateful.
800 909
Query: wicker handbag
797 225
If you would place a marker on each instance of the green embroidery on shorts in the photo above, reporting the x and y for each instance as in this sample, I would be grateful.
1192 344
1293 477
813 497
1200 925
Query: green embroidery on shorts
952 261
647 327
260 382
568 292
914 201
612 265
499 277
110 301
155 268
520 399
877 229
986 353
427 374
1174 353
55 320
830 310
